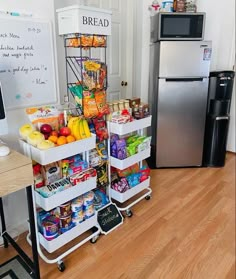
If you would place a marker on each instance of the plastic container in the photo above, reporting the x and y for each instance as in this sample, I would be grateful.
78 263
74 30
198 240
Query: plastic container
115 106
65 221
88 198
65 209
180 6
121 104
167 6
77 204
89 211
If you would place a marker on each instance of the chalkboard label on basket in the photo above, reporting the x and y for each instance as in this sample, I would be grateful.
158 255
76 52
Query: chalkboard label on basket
109 218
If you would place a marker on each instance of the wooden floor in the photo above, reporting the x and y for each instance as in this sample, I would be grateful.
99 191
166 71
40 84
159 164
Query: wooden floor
187 230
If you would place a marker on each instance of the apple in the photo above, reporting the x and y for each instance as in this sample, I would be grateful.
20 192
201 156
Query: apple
25 130
46 129
65 131
35 137
45 144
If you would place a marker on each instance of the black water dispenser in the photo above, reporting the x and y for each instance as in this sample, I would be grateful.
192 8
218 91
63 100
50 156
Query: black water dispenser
218 117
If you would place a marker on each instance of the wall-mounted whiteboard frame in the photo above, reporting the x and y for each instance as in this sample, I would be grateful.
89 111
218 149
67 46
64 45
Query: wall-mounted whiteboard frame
48 94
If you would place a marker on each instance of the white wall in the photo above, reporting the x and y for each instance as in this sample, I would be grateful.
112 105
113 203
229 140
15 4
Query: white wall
15 205
220 28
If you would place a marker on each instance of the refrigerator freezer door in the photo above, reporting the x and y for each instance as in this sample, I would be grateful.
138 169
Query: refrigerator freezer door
185 59
181 117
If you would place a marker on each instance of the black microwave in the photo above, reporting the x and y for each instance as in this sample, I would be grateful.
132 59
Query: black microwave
177 26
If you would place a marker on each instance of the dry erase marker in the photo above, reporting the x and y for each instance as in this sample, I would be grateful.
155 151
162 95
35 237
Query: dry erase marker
14 14
20 14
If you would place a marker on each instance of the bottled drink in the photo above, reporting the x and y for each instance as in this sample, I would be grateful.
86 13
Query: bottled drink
180 6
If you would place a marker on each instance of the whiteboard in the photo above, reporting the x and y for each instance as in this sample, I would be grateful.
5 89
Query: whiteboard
27 69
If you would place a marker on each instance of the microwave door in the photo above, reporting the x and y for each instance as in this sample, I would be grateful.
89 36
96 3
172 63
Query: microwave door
184 59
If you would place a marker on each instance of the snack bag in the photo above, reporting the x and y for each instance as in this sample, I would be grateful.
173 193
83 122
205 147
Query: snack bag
145 173
44 115
132 139
92 66
125 172
102 180
101 129
99 41
89 105
77 92
133 179
86 40
121 149
73 42
102 151
102 76
100 97
51 172
120 185
94 158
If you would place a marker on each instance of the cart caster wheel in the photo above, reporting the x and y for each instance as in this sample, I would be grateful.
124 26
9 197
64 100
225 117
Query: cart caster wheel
94 239
61 266
129 213
148 198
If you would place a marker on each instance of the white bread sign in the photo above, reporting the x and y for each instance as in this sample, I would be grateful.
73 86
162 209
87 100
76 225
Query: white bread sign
84 20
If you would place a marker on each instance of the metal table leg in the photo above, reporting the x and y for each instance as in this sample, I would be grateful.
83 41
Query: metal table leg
33 232
3 223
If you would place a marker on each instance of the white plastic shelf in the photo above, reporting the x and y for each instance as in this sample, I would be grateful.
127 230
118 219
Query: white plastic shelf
66 195
66 237
54 154
122 129
122 197
122 164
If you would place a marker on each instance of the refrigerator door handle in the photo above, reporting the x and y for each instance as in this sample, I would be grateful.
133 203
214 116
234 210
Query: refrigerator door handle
183 79
222 118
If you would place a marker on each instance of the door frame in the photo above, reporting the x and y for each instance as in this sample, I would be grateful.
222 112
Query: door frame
129 71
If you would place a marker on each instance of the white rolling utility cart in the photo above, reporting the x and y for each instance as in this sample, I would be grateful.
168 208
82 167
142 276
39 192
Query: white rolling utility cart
121 130
48 156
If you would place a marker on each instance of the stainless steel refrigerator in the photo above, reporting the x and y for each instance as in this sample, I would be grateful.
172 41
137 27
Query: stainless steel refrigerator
178 91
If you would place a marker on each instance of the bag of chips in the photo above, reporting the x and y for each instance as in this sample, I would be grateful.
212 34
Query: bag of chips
100 97
89 105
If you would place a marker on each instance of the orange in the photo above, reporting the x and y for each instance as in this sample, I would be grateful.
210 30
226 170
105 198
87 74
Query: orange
53 139
61 140
54 133
70 138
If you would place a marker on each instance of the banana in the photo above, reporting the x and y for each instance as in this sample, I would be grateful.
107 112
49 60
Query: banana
86 129
72 121
76 129
81 129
